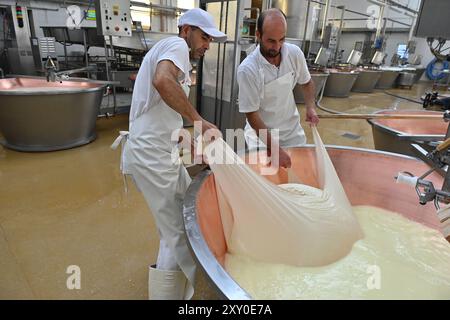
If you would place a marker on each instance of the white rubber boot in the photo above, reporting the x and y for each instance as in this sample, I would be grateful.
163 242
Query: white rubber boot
166 285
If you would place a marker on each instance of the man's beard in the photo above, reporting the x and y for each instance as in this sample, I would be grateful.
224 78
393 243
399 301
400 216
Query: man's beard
269 53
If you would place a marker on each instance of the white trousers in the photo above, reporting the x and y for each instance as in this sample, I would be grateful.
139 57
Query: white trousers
166 257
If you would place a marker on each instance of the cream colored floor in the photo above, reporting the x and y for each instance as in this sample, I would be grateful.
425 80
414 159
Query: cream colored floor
65 208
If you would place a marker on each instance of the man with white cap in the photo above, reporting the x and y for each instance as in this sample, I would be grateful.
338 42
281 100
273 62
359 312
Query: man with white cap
158 104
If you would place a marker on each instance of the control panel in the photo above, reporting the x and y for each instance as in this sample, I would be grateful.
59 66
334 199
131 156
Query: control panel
330 37
113 17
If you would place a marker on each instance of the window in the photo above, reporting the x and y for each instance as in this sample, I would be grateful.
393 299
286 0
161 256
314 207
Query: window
402 51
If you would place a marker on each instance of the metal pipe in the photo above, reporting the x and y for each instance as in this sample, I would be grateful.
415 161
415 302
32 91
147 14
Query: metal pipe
380 19
113 77
306 24
85 49
236 60
340 31
66 59
107 61
69 72
325 19
217 74
411 31
363 19
223 66
381 116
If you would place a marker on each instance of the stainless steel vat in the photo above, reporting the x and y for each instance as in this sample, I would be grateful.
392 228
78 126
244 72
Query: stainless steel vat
419 73
36 115
319 82
366 81
396 135
387 78
406 79
339 83
367 177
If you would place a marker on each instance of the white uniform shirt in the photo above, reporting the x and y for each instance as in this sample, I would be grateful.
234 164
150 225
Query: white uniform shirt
268 89
145 95
251 82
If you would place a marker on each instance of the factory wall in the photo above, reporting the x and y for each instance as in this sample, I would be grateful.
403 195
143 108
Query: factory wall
55 13
393 39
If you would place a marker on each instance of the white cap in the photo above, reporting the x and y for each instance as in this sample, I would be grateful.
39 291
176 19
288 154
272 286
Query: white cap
200 18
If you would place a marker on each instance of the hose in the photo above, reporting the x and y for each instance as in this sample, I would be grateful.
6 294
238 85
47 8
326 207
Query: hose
400 97
431 68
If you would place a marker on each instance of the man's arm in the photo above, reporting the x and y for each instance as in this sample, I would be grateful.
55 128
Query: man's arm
255 121
309 92
170 90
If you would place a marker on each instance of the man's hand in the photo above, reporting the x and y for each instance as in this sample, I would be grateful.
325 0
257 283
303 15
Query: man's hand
285 160
311 116
207 125
209 131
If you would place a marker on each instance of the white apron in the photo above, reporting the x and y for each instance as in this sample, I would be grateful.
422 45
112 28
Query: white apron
147 157
279 111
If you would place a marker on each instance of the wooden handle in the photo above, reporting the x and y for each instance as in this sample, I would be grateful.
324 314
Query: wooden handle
444 145
382 116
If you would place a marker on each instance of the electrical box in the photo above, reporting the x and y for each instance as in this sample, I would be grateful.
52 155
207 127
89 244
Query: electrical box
330 37
113 17
43 48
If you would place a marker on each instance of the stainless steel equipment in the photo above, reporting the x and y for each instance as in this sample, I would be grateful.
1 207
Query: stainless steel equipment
339 83
378 58
330 38
43 48
297 12
396 135
113 17
20 55
354 57
36 115
406 79
439 160
319 82
294 10
218 69
387 78
323 56
355 168
419 73
366 81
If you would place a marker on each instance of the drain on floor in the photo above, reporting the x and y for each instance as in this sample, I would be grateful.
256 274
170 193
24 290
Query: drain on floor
351 136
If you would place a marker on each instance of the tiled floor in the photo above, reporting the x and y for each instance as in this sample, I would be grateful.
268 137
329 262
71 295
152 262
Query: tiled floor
65 208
